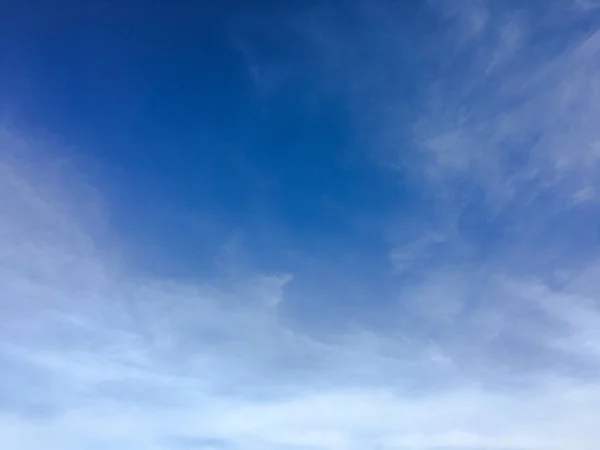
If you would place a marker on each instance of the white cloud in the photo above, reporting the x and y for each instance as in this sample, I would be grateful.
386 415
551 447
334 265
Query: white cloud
521 128
420 250
587 4
479 356
91 358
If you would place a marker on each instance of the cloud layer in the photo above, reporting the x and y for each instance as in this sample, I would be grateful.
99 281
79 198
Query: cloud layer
492 341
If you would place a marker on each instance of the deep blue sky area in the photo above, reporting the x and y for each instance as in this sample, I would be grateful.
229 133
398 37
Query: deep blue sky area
163 100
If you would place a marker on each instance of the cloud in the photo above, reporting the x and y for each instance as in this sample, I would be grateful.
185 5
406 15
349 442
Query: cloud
587 4
419 250
517 118
502 95
498 351
92 357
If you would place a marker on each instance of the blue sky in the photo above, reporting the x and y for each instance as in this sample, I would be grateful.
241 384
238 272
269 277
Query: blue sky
300 225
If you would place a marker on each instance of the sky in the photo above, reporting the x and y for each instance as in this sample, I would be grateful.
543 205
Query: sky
300 225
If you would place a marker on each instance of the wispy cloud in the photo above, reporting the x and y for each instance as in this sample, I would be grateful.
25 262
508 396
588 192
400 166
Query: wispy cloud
92 357
499 351
518 117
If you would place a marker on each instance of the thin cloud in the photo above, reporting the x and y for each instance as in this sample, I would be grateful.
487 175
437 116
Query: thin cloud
139 363
477 352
